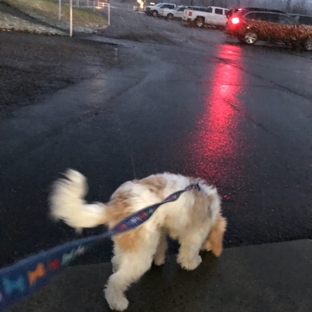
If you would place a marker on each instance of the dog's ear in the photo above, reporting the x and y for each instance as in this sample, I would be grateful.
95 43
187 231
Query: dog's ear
214 241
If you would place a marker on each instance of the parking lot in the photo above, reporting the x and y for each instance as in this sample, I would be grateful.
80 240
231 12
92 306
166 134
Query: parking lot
137 26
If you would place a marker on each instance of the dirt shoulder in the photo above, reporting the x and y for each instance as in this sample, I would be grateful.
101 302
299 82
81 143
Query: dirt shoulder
32 66
42 17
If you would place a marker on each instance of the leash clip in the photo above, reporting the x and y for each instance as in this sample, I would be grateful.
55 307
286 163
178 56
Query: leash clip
196 186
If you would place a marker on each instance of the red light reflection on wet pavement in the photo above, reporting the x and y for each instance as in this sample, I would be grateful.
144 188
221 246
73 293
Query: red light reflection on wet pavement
214 144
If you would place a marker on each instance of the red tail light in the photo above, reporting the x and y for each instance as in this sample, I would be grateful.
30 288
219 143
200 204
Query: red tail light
190 13
235 20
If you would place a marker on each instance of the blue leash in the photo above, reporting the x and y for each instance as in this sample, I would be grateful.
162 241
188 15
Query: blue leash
28 275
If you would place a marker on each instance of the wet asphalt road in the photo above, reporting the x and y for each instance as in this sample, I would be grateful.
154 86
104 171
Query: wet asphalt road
240 117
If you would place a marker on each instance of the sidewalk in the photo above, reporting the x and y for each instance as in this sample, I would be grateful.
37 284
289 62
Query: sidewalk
272 277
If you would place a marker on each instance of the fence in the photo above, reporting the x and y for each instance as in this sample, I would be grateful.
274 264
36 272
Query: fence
86 4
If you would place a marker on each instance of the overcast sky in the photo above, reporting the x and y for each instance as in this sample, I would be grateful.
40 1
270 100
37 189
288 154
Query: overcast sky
275 3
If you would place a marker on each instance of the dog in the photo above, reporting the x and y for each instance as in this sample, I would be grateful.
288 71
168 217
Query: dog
195 220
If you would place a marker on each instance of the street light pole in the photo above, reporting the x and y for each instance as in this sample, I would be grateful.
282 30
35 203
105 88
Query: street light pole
108 8
70 18
60 9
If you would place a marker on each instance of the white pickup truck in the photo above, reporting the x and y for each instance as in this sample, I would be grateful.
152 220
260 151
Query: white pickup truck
211 15
155 10
173 13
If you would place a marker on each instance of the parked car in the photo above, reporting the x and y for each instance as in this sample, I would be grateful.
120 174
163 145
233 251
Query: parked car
247 9
212 15
251 26
154 10
173 13
302 19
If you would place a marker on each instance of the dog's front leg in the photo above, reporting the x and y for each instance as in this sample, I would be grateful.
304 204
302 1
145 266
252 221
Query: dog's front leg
160 255
188 256
131 266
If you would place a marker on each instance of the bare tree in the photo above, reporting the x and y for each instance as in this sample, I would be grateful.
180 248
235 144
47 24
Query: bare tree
299 7
223 3
288 5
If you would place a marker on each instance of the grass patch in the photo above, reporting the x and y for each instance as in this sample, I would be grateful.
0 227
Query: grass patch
47 11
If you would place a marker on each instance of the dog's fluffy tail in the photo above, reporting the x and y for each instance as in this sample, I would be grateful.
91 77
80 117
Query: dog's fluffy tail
67 202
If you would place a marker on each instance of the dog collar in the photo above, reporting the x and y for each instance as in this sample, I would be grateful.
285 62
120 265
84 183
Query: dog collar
196 186
192 187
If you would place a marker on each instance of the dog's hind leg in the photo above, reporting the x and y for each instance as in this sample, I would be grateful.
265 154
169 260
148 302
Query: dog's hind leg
188 256
131 267
115 264
159 257
214 241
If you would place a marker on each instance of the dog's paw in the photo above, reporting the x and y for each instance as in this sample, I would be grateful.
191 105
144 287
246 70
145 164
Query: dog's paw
206 246
189 264
159 258
116 301
159 261
119 305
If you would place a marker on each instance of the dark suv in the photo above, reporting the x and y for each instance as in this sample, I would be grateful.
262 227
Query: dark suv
249 26
302 19
248 9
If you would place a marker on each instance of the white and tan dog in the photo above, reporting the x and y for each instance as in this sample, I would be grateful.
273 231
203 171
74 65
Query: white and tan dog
194 219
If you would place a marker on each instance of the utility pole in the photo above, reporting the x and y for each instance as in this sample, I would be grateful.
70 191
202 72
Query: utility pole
70 18
60 9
